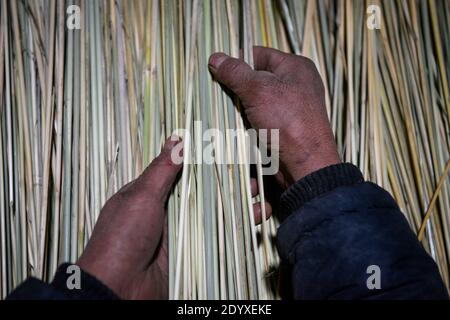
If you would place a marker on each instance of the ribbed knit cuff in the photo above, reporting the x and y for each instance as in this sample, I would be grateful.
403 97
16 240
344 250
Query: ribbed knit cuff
318 183
90 287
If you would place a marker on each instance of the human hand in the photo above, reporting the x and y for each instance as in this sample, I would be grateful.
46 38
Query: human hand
284 92
128 247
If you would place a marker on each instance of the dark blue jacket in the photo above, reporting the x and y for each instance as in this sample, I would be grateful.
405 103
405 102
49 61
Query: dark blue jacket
343 238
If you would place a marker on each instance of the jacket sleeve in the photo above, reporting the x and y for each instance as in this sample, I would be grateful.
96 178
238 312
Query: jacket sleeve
89 288
347 239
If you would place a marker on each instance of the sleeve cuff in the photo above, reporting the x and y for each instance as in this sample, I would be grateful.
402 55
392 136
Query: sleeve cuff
90 287
318 183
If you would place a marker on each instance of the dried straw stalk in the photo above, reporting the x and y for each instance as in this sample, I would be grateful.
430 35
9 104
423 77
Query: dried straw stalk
82 112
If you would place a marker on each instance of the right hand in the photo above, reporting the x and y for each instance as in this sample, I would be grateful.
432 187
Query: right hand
283 92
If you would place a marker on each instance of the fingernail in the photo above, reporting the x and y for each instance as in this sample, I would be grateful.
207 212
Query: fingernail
176 155
216 60
171 142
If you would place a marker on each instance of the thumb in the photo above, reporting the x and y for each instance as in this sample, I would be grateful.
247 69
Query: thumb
233 73
161 174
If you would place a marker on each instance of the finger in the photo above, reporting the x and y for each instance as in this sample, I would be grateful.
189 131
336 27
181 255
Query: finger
156 286
161 174
257 211
233 73
254 187
274 61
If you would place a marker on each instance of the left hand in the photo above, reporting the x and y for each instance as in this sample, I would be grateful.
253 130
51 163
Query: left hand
128 247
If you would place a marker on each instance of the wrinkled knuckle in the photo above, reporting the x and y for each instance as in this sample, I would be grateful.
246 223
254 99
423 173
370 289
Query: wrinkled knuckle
272 88
265 83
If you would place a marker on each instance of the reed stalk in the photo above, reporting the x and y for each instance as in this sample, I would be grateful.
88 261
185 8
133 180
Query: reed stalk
83 112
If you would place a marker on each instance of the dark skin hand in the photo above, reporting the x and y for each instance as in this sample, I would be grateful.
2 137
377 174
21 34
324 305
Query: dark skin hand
284 92
128 247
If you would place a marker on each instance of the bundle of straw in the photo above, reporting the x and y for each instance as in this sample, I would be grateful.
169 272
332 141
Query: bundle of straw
83 111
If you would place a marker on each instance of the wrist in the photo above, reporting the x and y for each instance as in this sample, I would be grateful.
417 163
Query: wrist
300 168
103 270
88 286
307 155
